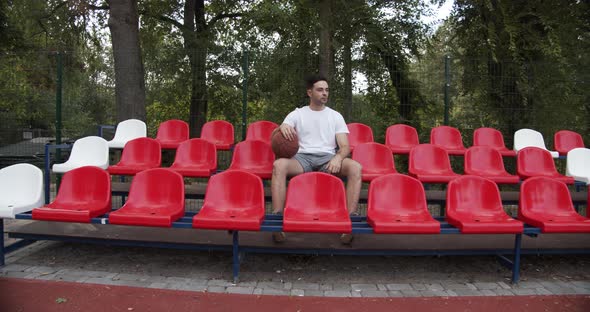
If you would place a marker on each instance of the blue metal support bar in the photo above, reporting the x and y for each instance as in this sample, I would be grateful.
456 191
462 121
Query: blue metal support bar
2 242
236 256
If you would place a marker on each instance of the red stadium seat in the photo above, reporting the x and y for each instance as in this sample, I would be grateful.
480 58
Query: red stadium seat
255 157
359 133
492 138
448 138
234 201
171 133
537 162
486 162
156 198
138 155
84 193
260 130
316 202
546 203
565 141
397 205
401 138
220 133
474 206
376 160
195 158
431 164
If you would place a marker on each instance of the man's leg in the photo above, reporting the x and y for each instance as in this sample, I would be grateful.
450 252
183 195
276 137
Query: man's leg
282 168
352 171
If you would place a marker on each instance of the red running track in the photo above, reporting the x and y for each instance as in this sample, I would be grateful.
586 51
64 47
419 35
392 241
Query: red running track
35 295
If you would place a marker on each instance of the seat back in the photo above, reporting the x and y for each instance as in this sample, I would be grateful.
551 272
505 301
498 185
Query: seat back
252 154
374 158
141 152
446 137
21 186
488 137
472 196
314 193
401 136
82 186
128 130
578 164
483 160
261 130
235 188
359 133
90 151
544 198
565 140
534 161
218 132
161 186
173 130
398 192
528 137
196 151
429 159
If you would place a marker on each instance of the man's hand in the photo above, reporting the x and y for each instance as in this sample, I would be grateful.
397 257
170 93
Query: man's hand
288 132
334 164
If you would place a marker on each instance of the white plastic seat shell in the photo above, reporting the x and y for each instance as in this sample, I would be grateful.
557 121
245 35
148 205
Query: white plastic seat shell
21 189
126 131
87 151
529 137
578 164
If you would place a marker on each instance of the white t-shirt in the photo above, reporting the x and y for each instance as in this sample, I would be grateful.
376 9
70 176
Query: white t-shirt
316 129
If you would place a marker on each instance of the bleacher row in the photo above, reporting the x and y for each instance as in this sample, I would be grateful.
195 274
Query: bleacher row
316 202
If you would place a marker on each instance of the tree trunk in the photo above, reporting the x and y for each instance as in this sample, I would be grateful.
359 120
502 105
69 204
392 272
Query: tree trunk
129 73
326 36
196 43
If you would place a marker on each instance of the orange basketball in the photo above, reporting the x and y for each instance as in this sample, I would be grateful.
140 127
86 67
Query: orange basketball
282 147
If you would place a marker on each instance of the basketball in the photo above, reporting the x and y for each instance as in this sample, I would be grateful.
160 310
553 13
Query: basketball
282 147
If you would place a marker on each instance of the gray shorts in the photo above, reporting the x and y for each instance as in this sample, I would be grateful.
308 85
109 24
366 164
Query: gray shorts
313 162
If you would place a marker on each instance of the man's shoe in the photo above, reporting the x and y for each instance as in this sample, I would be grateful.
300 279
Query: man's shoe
346 239
278 237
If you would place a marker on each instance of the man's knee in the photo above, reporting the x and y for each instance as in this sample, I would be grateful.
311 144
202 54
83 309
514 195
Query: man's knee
279 167
354 170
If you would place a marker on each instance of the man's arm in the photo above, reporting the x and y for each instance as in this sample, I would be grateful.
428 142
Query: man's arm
335 163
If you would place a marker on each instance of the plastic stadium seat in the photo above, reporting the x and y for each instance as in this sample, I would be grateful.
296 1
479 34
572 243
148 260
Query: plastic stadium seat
171 133
255 157
260 130
138 155
376 160
492 138
359 133
84 193
448 138
126 131
21 189
474 206
565 140
528 137
535 162
431 164
234 201
578 165
87 151
220 133
401 138
397 205
486 162
195 158
156 198
316 202
546 203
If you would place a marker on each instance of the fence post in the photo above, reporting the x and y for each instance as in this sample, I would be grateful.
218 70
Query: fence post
447 87
244 94
58 100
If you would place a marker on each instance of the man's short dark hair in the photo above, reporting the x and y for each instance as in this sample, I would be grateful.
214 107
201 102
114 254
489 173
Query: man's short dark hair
312 79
